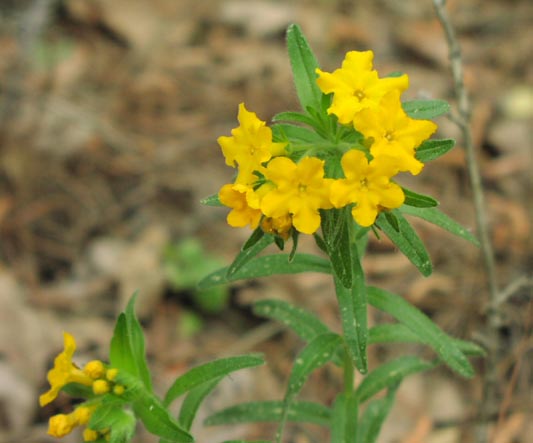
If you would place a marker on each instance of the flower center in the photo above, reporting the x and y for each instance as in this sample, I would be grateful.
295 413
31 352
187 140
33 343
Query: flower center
302 188
360 95
389 136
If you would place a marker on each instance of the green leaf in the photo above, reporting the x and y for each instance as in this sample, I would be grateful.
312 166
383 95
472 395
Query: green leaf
425 109
271 411
247 254
157 420
297 117
192 402
407 241
436 217
423 327
209 371
294 134
336 230
344 419
247 441
390 374
269 265
212 200
317 353
150 410
418 200
295 235
393 221
399 333
111 416
374 416
305 324
433 149
127 352
257 235
303 64
353 310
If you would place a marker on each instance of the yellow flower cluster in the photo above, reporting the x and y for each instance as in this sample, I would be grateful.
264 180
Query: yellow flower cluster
94 374
273 190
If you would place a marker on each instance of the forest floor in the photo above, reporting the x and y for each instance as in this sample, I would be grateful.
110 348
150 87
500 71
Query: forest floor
109 116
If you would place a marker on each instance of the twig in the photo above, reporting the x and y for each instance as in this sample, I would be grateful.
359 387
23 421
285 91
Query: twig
463 122
521 282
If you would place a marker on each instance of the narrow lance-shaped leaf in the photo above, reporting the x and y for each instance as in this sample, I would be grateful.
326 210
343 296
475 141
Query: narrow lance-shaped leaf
433 149
257 235
158 421
390 374
436 217
192 402
399 333
305 324
374 416
212 200
418 200
336 230
247 441
127 351
245 255
353 310
149 409
293 117
296 137
407 241
302 322
271 411
269 265
210 371
317 353
425 109
303 64
423 327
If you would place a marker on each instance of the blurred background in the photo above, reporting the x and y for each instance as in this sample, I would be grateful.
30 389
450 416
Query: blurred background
109 115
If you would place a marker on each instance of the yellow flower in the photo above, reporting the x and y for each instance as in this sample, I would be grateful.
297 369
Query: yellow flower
301 190
64 372
62 424
367 185
249 146
238 198
394 133
356 86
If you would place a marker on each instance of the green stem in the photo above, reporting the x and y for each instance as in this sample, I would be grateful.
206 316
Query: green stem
349 373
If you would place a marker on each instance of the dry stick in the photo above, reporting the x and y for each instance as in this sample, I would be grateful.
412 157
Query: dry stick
463 122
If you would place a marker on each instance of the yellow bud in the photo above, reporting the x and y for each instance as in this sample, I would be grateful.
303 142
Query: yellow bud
118 389
82 414
100 387
111 374
60 425
90 435
94 369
